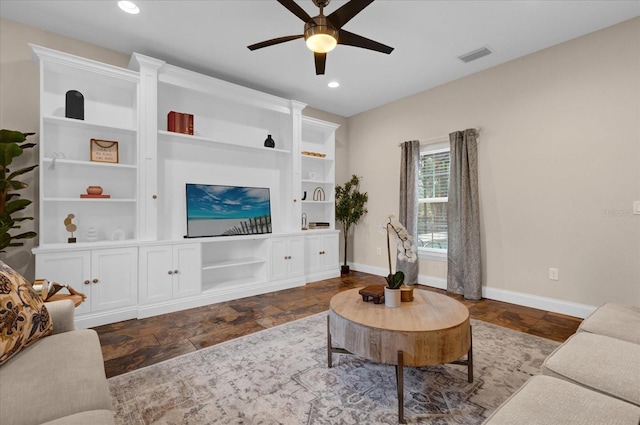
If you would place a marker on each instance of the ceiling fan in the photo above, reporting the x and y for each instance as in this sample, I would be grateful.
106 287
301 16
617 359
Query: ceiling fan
323 33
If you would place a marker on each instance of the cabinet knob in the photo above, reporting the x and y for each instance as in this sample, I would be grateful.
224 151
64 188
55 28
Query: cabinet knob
95 281
175 272
86 282
155 196
295 200
170 272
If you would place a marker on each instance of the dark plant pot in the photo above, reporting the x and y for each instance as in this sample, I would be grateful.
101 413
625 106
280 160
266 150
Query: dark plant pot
344 270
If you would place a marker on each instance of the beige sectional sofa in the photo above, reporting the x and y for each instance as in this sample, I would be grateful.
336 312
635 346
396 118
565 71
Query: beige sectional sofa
593 378
59 379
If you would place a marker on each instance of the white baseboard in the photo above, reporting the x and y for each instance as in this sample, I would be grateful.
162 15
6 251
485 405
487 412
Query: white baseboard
512 297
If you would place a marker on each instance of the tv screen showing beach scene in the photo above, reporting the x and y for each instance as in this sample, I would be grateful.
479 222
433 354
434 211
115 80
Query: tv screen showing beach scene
215 210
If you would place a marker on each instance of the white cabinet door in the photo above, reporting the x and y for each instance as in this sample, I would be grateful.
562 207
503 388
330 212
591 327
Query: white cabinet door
156 274
321 253
287 257
169 271
296 257
114 278
69 268
279 258
330 259
313 254
187 274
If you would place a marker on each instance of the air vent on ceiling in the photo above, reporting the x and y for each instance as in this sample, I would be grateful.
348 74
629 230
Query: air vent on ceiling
476 54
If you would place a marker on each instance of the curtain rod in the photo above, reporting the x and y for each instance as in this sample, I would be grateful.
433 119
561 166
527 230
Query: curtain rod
442 139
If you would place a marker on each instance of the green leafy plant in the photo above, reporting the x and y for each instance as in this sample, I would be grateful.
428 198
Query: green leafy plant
407 250
12 145
350 207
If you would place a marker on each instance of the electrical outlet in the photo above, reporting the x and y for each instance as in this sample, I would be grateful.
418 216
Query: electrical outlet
379 251
553 273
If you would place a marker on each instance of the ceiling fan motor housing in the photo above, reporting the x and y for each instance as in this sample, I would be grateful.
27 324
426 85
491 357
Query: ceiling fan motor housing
319 25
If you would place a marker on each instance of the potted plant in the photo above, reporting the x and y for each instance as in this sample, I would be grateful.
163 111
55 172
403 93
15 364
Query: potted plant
350 207
12 145
407 251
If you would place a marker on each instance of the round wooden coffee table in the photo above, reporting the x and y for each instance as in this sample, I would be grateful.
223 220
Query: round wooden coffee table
432 329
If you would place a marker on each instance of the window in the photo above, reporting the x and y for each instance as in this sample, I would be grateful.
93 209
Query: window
433 195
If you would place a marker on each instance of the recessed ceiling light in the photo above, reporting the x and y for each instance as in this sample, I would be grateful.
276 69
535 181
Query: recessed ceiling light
334 84
129 7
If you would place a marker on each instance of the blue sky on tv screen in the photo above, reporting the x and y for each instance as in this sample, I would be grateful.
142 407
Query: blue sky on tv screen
226 202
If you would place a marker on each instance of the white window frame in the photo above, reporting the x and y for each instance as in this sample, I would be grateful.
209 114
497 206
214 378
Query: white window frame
436 146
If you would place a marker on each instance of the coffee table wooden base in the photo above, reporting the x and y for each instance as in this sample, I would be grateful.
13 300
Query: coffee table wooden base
399 367
431 330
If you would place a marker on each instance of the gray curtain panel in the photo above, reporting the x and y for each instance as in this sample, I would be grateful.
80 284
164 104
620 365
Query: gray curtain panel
408 212
464 273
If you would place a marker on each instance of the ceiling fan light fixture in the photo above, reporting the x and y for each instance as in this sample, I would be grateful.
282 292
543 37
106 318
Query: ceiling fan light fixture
320 36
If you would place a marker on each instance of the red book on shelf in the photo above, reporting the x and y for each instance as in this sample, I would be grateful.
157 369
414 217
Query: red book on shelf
84 195
180 123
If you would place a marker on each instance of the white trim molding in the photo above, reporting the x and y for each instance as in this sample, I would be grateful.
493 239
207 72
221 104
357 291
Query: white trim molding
519 298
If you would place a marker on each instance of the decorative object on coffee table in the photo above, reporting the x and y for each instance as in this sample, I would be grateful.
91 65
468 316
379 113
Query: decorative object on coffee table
269 142
407 251
68 223
373 293
406 293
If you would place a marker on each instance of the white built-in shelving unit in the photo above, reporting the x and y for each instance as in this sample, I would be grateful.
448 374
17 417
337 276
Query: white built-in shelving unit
140 230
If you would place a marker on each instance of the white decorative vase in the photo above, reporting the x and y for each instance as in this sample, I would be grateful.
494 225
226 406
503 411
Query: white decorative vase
392 297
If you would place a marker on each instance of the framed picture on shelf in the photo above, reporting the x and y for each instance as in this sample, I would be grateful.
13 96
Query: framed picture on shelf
104 151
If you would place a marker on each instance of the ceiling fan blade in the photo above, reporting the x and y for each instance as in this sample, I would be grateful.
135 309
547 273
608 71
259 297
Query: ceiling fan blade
343 15
274 41
295 9
321 60
351 39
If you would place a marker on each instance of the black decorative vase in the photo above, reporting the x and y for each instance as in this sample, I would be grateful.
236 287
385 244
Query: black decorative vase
74 105
344 270
269 143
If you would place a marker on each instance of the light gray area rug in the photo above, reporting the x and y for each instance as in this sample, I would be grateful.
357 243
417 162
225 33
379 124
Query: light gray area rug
280 376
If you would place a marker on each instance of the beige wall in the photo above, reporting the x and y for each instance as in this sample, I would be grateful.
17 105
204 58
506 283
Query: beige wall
559 166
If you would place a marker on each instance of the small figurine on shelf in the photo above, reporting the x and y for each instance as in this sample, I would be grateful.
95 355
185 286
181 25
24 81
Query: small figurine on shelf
70 227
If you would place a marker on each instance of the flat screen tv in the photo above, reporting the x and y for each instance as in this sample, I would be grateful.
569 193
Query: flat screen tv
215 210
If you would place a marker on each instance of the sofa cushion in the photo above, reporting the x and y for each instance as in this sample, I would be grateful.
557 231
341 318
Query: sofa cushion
598 362
543 400
57 376
23 317
92 417
615 320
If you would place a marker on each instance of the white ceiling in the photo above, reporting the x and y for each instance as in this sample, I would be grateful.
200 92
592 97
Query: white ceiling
428 36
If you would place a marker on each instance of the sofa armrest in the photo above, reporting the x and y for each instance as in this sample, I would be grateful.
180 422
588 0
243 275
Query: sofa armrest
61 313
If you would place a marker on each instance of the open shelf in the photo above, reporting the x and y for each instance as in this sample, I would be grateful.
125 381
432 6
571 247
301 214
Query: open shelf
83 124
237 262
74 162
190 138
83 200
209 287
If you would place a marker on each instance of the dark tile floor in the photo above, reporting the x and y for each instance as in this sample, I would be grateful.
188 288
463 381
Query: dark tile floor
133 344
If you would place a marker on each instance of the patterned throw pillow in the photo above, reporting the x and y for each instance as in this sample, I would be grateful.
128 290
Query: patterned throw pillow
23 316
